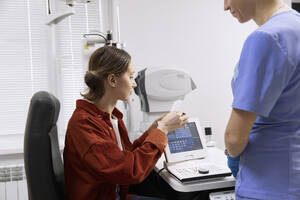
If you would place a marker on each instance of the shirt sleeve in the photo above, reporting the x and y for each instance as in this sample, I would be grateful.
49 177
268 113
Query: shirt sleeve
139 141
107 162
263 74
155 136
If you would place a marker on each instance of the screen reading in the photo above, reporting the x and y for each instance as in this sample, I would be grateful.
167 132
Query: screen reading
184 139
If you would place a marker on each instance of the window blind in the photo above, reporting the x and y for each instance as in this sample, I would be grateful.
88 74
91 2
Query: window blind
25 67
70 66
23 61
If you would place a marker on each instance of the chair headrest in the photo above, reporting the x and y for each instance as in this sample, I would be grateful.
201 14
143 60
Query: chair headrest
46 99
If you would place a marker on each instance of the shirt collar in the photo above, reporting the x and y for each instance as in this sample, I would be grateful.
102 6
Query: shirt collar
94 110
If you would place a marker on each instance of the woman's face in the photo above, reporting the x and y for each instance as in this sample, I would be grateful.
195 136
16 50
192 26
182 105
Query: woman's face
125 84
243 10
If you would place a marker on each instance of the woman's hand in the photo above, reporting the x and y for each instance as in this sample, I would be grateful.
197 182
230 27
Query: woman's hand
155 123
172 121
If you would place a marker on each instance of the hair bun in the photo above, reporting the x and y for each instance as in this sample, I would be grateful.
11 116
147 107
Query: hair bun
91 79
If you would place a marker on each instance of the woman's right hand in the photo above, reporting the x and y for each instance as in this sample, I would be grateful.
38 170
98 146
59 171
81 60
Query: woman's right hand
172 121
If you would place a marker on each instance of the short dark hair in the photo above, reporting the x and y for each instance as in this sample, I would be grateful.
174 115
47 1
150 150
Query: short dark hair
104 61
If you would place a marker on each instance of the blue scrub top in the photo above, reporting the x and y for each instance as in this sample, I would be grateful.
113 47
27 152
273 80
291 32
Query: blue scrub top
266 81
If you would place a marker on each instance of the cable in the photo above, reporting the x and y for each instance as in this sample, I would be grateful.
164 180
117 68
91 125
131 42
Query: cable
161 170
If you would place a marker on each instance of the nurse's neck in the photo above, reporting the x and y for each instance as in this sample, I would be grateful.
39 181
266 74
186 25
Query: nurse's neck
107 103
265 9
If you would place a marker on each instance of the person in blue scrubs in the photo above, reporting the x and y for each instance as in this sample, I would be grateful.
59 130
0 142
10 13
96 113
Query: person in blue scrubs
264 127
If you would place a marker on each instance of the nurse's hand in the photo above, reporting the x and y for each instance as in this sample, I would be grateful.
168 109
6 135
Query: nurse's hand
172 121
233 164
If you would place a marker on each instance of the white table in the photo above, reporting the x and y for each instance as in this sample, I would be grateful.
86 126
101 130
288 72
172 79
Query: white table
214 155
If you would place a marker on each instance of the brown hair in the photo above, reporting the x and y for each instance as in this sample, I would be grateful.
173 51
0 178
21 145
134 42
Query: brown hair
104 61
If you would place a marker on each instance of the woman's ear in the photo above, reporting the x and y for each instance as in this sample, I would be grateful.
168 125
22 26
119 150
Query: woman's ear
112 81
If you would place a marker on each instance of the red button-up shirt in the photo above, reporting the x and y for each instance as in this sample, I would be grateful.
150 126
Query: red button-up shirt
93 161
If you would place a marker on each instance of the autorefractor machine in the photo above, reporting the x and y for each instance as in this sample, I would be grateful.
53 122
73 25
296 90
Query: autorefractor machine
161 90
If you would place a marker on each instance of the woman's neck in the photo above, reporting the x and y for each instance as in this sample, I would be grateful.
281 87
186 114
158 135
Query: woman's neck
265 9
107 104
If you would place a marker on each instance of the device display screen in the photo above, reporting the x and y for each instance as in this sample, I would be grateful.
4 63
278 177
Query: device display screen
184 139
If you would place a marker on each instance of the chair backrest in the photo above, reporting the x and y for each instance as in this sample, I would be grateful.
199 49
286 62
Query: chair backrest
42 158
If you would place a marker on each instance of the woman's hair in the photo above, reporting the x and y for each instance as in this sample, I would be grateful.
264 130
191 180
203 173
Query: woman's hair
104 61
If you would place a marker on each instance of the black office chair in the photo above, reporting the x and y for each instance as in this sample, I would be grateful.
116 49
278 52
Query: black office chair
43 163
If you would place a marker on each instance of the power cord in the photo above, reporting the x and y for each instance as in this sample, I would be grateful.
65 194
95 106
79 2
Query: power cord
161 170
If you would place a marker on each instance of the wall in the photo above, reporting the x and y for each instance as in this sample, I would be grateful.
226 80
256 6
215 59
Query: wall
194 35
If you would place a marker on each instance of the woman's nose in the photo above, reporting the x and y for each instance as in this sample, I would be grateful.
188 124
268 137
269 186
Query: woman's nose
134 84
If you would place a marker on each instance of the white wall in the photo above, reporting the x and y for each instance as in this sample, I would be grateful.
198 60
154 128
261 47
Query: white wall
289 2
195 35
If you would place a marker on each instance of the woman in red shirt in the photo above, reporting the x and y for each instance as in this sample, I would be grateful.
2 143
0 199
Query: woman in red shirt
99 159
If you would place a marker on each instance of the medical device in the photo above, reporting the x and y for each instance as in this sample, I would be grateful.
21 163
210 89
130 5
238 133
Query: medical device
197 169
97 38
186 155
186 143
208 137
159 89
